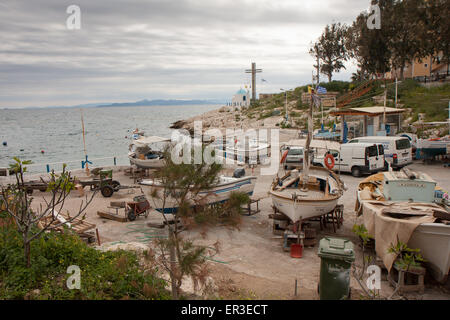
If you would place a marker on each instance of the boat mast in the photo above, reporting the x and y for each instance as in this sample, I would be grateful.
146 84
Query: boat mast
307 163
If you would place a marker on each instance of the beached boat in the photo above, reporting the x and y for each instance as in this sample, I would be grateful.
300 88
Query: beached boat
143 156
408 206
221 192
310 193
429 148
247 150
301 199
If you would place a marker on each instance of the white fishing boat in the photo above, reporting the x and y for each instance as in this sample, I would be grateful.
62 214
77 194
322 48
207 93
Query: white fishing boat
143 156
221 192
408 206
301 198
310 193
243 149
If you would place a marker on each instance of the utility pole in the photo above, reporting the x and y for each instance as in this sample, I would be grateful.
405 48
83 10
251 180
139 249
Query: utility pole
396 91
384 109
253 71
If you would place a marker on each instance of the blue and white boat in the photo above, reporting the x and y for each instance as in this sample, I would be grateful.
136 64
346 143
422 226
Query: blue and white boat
221 192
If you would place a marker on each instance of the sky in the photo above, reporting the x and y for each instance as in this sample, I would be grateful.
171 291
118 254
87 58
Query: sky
128 50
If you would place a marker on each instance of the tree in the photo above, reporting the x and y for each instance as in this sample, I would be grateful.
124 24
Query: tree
404 43
185 186
331 49
370 47
17 204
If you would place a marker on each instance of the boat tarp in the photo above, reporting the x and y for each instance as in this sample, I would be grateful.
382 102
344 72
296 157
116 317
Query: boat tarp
319 144
149 140
387 227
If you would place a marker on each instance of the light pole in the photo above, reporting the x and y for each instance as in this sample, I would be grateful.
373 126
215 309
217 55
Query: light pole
285 95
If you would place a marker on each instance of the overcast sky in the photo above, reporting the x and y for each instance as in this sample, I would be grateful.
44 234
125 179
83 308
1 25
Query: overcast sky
127 50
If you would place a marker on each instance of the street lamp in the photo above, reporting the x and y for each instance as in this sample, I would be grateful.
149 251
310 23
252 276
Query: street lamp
285 94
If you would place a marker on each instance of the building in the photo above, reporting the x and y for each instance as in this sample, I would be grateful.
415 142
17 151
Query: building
423 69
369 121
241 99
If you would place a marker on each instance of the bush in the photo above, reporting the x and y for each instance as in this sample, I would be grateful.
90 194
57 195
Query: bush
104 275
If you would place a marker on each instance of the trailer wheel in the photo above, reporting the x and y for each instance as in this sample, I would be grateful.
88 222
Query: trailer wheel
356 172
107 191
116 185
131 215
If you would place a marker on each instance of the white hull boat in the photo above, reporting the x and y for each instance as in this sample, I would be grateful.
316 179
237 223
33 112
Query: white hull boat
320 195
432 238
143 156
221 192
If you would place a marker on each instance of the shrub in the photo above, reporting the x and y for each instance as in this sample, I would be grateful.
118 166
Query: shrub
104 275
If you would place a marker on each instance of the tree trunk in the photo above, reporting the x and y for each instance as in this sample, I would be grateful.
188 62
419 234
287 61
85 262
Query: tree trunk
329 77
173 265
27 252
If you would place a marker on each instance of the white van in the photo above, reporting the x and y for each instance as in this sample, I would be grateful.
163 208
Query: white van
357 158
397 150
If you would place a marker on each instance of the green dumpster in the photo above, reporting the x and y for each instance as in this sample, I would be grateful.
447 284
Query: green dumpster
337 256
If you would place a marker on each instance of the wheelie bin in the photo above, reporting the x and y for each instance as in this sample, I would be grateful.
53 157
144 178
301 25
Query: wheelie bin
337 256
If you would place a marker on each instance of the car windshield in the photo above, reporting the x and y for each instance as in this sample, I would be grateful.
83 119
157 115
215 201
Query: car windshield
295 152
402 144
372 150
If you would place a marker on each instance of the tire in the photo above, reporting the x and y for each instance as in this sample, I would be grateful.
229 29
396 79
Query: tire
116 185
131 215
29 191
107 191
356 172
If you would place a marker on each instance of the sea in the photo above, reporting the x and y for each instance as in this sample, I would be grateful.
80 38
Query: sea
52 136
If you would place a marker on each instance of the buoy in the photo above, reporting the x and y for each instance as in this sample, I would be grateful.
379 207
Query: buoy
5 143
21 149
329 161
42 151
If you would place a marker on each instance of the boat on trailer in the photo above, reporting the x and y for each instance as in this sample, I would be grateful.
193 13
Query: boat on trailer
219 193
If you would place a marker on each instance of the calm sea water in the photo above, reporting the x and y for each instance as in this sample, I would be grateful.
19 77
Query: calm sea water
58 132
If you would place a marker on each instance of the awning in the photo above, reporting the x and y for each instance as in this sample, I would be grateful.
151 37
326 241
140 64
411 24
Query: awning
149 140
319 144
367 111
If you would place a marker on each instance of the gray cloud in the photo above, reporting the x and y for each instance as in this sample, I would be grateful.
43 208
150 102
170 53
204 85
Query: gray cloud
131 49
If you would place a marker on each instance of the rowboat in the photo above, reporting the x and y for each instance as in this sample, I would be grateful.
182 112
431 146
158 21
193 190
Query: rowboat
143 156
379 198
219 193
301 198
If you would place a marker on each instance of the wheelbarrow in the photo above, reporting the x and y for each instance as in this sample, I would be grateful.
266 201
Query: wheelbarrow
138 207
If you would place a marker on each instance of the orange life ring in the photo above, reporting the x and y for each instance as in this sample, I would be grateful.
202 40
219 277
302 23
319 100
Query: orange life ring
327 160
284 156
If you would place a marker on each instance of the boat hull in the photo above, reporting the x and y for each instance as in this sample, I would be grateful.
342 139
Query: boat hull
147 164
433 240
302 210
218 194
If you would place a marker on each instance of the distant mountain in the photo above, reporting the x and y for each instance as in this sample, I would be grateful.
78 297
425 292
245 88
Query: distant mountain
160 102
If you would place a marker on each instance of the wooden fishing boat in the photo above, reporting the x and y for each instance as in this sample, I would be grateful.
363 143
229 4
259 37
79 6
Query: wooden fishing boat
310 193
415 208
221 192
143 156
301 198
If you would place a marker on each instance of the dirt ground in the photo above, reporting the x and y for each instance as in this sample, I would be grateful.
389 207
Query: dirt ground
251 263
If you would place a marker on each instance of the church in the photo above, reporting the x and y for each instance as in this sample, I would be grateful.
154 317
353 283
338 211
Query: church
241 99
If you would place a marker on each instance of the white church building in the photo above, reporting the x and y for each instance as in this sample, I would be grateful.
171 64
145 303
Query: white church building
241 99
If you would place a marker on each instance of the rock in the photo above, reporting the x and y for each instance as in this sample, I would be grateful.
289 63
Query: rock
130 246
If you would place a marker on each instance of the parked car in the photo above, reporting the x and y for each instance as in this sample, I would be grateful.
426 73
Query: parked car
295 157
